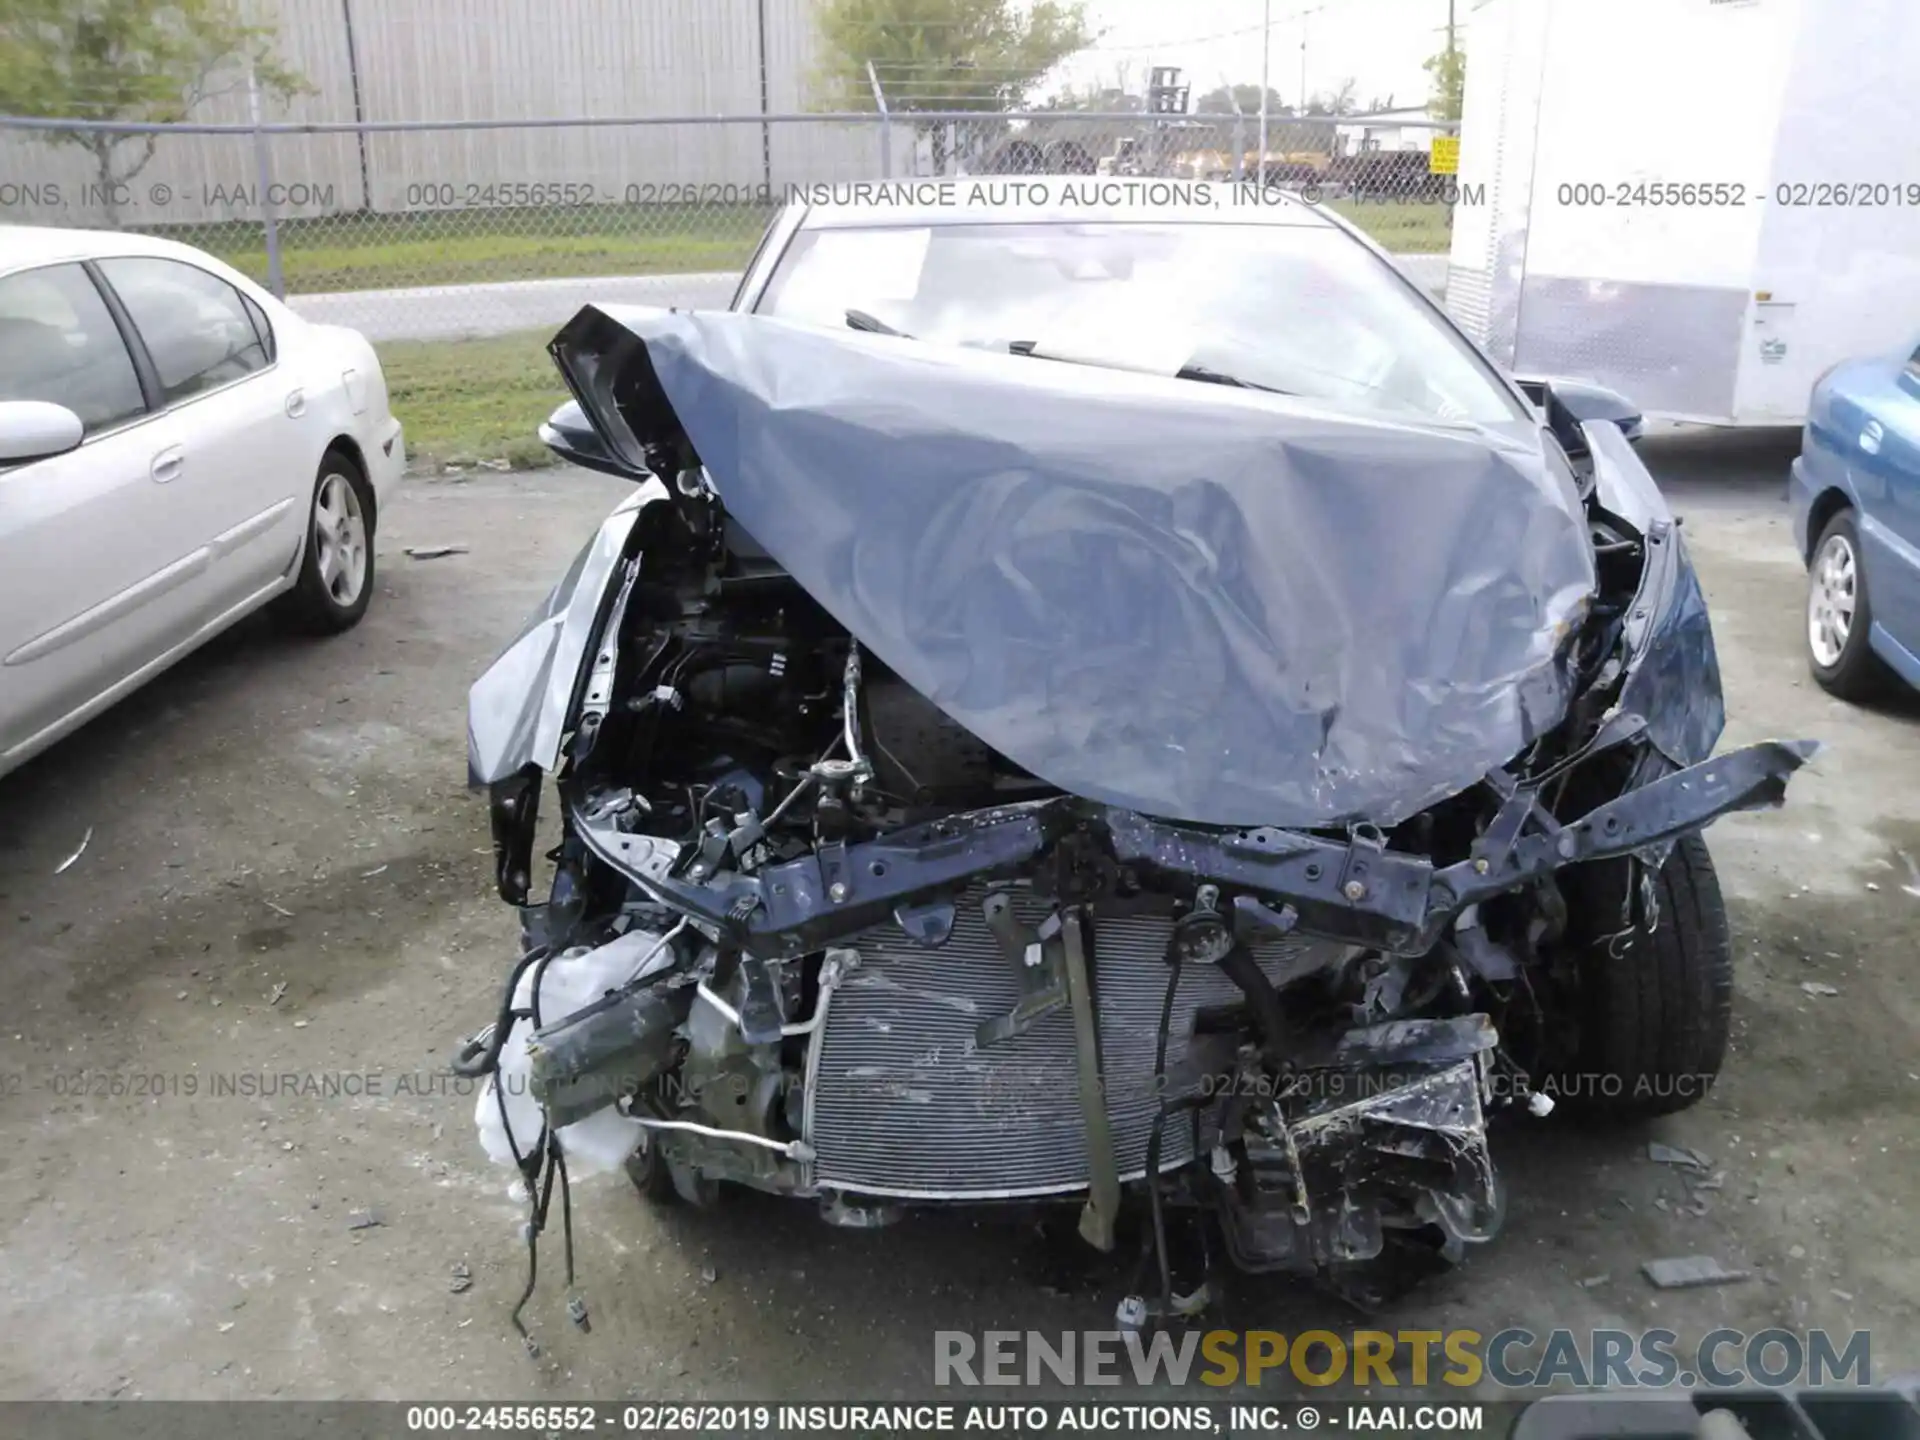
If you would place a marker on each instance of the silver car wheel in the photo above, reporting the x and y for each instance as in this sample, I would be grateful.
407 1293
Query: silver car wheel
1832 592
340 532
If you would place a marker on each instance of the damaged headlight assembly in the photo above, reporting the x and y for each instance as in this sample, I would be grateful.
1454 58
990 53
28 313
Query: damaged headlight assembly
1074 788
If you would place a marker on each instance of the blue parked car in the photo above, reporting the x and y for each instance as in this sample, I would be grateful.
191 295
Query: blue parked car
1856 517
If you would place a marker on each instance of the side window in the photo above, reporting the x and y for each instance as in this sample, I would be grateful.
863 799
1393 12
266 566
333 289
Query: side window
58 342
262 327
195 325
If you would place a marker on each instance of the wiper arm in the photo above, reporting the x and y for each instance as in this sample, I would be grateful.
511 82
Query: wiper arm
1185 372
1220 377
872 324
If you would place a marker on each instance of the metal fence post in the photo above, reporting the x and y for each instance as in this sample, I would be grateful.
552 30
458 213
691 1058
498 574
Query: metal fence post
886 123
263 177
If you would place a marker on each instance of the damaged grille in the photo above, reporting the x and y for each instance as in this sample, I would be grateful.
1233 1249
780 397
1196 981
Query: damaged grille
902 1101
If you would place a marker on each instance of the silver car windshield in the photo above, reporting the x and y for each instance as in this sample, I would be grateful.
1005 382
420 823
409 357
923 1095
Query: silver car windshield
1299 309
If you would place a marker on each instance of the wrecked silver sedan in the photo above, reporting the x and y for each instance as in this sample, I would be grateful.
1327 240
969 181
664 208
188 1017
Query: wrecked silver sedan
1085 707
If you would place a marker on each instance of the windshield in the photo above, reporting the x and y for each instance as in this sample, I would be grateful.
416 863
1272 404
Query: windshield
1300 309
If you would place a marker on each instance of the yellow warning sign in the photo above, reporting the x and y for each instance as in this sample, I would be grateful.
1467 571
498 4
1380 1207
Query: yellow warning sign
1444 159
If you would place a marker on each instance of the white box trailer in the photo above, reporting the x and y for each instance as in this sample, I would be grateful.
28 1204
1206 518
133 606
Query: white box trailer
1702 204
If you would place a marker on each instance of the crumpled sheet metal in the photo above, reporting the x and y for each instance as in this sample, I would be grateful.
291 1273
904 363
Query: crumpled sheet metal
1201 603
517 710
1674 680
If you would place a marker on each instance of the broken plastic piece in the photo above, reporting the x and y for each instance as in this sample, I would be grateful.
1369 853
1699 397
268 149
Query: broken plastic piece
1688 1271
67 863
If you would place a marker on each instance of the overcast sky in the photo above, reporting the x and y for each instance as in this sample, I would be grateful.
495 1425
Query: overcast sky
1380 43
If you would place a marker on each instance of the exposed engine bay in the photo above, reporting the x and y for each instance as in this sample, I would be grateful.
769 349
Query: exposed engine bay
809 933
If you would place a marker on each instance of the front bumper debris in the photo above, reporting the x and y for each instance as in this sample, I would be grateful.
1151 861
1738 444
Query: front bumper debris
1355 890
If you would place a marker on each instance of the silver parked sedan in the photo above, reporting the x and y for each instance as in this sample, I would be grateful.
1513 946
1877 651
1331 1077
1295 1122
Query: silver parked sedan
177 449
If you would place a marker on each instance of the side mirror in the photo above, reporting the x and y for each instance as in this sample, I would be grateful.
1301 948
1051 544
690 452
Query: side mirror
570 435
1569 404
36 430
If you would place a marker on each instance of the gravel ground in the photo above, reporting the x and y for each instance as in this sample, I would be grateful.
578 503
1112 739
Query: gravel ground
287 878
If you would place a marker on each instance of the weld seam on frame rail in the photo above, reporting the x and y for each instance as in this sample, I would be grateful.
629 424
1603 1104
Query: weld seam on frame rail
835 117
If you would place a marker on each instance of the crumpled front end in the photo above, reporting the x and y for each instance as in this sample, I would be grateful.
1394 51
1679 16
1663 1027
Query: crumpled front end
987 780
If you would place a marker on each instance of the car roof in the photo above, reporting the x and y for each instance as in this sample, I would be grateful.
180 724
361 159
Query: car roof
25 245
1050 199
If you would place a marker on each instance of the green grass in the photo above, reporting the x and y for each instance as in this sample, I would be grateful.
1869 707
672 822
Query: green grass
466 401
455 247
1407 227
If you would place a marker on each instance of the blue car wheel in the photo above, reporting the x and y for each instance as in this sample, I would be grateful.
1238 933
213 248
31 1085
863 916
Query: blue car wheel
1839 615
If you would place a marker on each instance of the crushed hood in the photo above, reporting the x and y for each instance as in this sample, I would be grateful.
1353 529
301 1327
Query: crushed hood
1201 603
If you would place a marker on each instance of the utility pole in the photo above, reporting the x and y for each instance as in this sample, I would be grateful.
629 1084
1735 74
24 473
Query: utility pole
1303 60
1452 60
1266 89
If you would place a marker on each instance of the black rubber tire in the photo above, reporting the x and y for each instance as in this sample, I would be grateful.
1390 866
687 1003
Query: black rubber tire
1656 1008
310 606
650 1176
1858 674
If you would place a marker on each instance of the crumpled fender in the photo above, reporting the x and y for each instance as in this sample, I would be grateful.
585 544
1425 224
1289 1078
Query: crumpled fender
517 711
1673 670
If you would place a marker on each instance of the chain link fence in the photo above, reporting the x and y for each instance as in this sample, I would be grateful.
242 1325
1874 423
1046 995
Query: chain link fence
434 230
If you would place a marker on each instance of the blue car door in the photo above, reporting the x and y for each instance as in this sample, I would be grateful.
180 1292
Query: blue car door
1878 419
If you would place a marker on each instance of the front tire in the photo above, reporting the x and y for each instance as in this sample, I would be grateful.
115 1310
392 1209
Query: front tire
647 1169
1840 615
336 569
1655 1004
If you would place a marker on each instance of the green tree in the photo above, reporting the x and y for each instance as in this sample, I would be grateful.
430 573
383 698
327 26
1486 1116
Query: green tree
974 55
141 61
1107 99
1448 71
1220 101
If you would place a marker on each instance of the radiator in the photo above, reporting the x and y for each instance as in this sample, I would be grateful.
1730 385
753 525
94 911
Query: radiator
902 1102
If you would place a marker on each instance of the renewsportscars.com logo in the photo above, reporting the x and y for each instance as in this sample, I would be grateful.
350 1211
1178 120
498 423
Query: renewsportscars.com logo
1515 1358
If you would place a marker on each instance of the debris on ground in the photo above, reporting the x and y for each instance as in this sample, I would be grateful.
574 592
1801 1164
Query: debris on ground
67 864
279 909
434 552
1593 1280
462 1279
365 1219
1819 987
708 1274
1677 1155
279 992
369 874
1688 1271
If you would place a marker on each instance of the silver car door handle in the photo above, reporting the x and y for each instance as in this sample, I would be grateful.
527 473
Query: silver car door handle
296 404
168 464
